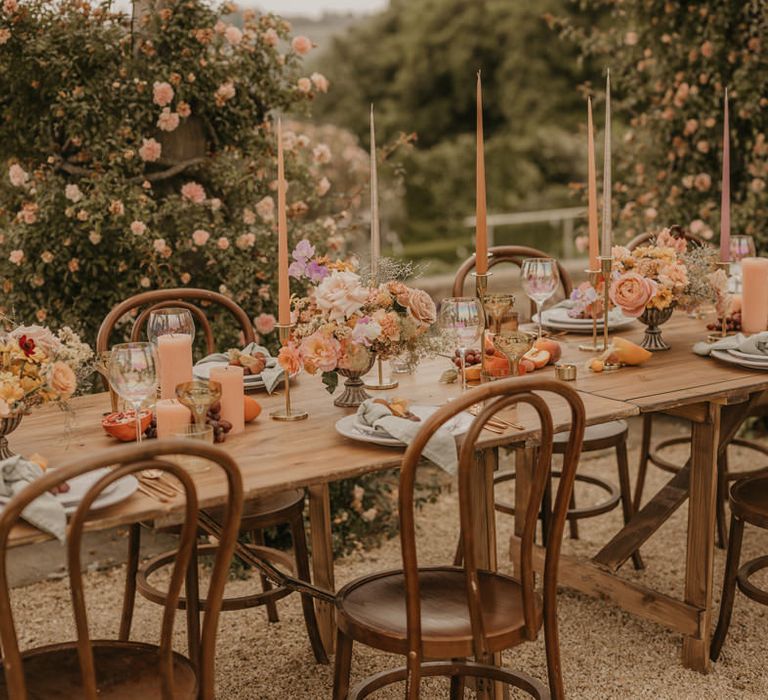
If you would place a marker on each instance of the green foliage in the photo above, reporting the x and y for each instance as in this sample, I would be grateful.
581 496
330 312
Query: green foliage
143 155
670 63
417 61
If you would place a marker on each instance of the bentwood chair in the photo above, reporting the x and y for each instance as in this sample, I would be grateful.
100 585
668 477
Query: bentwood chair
119 669
610 435
749 504
652 454
439 616
258 514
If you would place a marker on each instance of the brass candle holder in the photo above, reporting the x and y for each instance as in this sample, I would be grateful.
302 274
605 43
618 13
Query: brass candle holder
606 264
380 384
288 413
594 281
723 333
481 289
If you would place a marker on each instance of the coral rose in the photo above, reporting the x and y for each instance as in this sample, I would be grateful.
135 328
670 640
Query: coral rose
631 292
62 380
422 307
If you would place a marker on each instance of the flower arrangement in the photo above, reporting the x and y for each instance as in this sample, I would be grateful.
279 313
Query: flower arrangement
343 322
587 301
38 366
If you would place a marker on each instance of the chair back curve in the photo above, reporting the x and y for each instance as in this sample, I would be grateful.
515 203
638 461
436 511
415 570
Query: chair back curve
181 297
125 461
494 397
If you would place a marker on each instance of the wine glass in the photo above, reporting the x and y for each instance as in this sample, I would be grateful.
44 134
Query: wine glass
198 396
133 376
463 321
540 281
740 247
170 321
514 344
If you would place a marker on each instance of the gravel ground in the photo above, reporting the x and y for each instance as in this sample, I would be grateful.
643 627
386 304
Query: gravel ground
607 654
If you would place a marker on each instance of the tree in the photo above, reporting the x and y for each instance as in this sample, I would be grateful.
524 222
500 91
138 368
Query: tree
416 61
670 64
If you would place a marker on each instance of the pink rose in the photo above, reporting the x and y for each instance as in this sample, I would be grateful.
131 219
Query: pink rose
184 109
631 292
319 81
62 380
167 121
321 154
150 150
341 294
73 193
320 352
422 307
193 192
245 241
270 37
289 358
265 323
16 256
304 85
222 243
200 237
302 45
265 208
225 92
17 175
233 35
162 94
138 228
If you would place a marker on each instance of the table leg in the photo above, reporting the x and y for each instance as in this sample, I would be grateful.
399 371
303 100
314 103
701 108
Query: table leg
322 560
524 461
701 536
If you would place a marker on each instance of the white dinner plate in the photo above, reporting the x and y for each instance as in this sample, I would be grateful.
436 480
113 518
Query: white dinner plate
748 356
583 327
203 371
730 359
351 427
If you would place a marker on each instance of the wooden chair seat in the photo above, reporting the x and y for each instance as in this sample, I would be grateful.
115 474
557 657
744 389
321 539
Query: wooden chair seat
445 617
749 500
595 436
124 671
266 511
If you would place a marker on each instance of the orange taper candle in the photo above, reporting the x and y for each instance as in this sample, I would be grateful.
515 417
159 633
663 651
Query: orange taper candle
283 284
594 243
481 224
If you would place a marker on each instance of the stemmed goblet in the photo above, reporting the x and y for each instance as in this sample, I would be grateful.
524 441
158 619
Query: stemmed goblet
463 321
133 376
514 344
198 396
540 281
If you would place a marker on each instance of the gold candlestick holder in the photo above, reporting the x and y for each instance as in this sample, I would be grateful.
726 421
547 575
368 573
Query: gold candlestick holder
481 289
594 281
723 332
606 264
288 413
380 384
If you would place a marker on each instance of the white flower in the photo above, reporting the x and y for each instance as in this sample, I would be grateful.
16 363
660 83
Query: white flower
73 193
321 154
341 294
17 175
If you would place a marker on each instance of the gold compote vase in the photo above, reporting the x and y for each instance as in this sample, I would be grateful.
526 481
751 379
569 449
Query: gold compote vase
354 388
7 426
653 318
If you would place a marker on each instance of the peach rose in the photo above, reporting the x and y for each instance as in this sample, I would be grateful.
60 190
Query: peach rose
150 151
422 307
200 237
193 192
62 380
631 292
162 94
289 358
264 323
302 45
320 352
167 121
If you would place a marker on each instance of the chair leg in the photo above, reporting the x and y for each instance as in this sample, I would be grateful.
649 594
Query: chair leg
722 497
129 594
192 594
457 685
573 524
272 616
626 494
729 587
343 666
642 469
301 555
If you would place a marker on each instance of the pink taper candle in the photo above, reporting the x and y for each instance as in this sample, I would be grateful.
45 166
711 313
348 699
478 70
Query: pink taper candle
283 284
481 224
594 264
375 230
174 353
725 196
754 295
606 244
232 392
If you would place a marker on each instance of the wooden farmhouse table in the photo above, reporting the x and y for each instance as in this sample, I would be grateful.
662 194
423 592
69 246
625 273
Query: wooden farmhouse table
276 456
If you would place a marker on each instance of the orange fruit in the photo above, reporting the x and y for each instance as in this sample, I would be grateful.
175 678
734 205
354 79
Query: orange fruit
473 373
252 408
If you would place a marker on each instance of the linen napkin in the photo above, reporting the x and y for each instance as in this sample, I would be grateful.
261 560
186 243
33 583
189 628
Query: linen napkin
441 448
756 344
45 512
271 376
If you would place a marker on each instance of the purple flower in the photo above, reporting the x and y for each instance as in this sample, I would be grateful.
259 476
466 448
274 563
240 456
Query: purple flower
304 251
297 269
316 272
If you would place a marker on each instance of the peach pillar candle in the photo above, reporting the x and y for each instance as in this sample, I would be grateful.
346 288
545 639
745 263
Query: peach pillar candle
606 244
174 354
725 194
283 284
754 295
594 264
172 417
481 224
232 393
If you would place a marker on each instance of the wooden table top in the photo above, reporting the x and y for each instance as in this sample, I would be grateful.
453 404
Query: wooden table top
276 456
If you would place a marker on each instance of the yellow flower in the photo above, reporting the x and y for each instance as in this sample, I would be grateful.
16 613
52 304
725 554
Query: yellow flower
662 299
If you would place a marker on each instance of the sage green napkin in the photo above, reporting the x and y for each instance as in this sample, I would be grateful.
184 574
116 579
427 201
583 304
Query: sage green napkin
46 511
756 344
270 375
441 448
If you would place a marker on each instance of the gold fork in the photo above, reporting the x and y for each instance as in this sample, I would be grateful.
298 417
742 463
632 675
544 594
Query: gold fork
496 420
